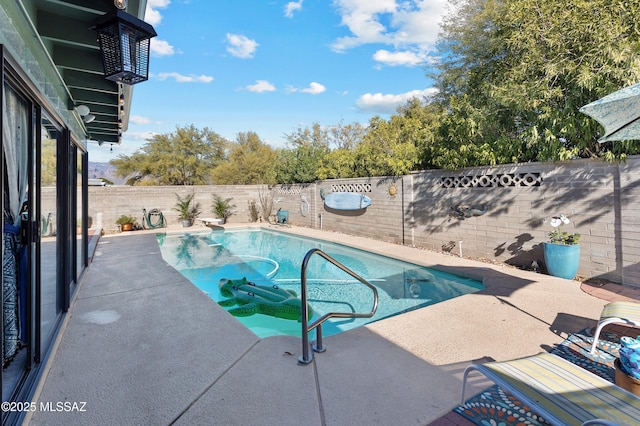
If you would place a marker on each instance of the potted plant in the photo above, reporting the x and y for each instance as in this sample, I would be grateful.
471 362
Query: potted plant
222 207
562 251
188 209
126 222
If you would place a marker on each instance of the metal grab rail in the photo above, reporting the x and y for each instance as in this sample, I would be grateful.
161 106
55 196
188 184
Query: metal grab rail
305 358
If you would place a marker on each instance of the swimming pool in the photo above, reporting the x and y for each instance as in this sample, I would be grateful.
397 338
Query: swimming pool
268 257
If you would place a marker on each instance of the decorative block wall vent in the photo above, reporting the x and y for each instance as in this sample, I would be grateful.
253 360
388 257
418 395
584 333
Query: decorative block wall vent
488 181
352 187
289 190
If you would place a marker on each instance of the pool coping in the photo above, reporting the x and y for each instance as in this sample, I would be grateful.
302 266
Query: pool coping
149 367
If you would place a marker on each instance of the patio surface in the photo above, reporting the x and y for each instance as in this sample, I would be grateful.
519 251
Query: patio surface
141 345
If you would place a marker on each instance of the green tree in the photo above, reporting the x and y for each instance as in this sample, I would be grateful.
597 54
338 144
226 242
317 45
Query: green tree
339 163
250 161
346 136
515 73
48 162
185 157
299 162
388 148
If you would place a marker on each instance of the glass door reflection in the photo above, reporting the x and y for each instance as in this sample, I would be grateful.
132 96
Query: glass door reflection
50 292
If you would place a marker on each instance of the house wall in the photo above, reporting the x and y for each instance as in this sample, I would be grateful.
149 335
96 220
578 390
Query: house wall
507 210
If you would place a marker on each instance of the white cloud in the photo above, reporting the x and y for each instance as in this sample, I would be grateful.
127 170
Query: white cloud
152 16
140 136
241 46
261 86
387 104
151 13
408 26
138 119
180 78
314 89
362 17
292 6
406 58
161 47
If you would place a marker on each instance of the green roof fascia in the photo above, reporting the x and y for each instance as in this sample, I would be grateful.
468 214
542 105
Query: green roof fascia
22 43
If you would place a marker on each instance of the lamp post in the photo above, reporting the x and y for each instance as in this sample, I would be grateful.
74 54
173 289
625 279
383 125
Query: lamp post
125 44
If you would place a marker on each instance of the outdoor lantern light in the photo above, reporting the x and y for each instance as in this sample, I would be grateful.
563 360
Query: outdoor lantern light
124 43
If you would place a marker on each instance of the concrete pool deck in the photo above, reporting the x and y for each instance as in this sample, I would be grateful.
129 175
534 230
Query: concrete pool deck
141 345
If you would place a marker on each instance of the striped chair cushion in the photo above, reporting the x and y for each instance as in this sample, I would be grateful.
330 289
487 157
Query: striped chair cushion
562 392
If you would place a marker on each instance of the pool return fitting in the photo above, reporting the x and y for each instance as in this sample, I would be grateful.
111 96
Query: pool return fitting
307 357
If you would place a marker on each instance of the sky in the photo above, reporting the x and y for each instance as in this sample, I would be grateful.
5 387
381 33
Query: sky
272 67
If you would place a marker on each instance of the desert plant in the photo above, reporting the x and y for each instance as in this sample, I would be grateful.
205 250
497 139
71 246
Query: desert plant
265 196
254 214
187 208
222 207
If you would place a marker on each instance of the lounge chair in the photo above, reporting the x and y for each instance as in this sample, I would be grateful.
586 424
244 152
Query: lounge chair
560 391
617 312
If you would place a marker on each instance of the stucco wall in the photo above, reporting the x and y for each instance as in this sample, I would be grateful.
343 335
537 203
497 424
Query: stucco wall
506 209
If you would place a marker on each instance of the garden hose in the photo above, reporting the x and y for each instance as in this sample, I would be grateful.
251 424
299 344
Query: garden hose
158 221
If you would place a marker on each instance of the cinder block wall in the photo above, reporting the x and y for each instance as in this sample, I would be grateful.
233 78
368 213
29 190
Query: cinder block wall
298 201
495 213
382 220
113 201
519 200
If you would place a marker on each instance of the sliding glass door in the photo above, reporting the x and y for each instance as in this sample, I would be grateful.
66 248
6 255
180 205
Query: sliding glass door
17 280
44 234
50 295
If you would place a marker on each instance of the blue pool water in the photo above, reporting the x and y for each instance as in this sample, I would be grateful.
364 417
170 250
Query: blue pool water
268 257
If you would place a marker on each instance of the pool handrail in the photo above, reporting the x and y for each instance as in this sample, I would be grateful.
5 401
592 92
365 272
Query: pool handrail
306 358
